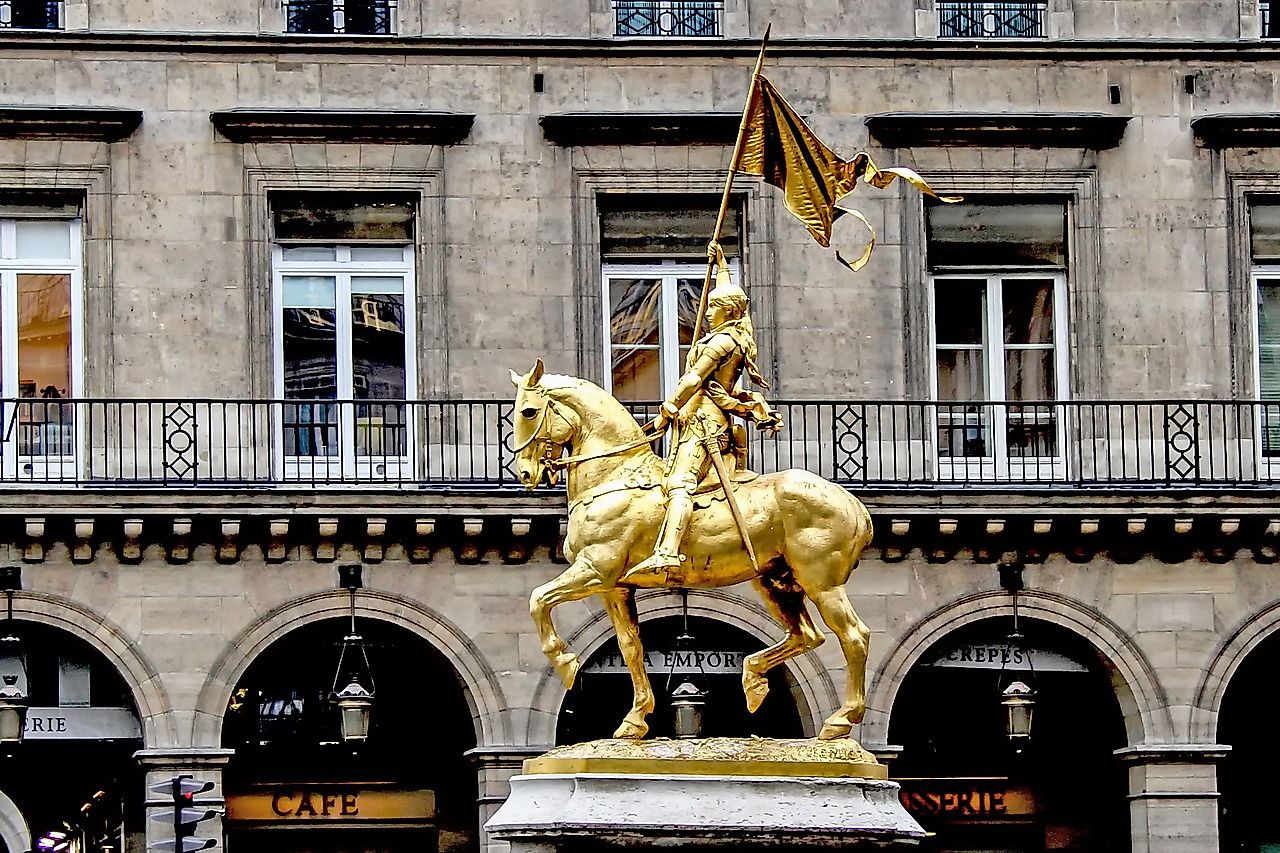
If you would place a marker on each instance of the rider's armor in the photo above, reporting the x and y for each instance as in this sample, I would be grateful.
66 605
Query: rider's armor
699 408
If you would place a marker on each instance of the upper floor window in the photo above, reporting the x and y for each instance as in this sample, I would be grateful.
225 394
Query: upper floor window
671 18
654 252
40 280
344 291
1264 251
341 17
31 14
991 18
998 301
1270 25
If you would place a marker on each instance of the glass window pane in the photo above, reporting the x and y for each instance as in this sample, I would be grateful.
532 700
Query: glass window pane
310 349
997 231
1028 374
1032 431
1269 373
1264 231
960 375
378 254
342 216
665 225
1028 311
688 295
309 291
960 309
377 347
635 306
43 238
377 284
637 374
309 253
1269 312
44 425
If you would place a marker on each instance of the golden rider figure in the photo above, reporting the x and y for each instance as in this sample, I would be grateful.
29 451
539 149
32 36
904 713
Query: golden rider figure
699 409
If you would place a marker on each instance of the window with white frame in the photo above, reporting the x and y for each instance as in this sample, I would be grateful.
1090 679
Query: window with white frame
654 252
998 302
1264 246
344 290
40 347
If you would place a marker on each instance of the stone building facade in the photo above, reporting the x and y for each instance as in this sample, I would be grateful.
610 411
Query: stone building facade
486 184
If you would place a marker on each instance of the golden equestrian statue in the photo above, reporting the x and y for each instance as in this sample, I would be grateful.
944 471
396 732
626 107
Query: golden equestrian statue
700 519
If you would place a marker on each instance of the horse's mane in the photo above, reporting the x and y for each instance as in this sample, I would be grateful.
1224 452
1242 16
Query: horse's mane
561 388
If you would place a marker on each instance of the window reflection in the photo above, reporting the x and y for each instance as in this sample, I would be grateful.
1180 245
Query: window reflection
44 365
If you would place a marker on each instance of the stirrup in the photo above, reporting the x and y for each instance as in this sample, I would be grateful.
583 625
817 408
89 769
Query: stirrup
656 562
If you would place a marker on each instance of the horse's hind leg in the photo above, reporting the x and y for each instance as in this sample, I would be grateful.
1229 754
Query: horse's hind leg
838 613
620 602
574 583
787 606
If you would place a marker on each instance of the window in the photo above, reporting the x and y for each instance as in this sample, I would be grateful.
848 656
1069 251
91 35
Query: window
31 14
341 17
654 252
344 291
40 280
1264 246
672 18
988 19
998 302
1270 26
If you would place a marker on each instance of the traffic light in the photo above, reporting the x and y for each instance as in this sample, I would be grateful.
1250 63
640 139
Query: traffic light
185 815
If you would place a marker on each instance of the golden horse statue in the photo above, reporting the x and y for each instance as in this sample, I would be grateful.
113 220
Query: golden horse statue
808 534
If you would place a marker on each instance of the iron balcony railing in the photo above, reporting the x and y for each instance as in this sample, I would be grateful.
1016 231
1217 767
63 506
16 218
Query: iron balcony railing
670 18
467 443
987 19
31 14
339 17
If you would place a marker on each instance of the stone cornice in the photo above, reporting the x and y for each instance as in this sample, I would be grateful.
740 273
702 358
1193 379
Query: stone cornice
640 128
411 127
1231 130
961 51
96 124
1087 130
1173 753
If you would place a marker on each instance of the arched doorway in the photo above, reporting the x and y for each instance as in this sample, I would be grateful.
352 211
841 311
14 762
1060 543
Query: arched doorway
1246 776
965 780
72 778
294 786
711 660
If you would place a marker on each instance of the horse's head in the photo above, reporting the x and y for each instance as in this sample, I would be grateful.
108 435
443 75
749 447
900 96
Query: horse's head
541 429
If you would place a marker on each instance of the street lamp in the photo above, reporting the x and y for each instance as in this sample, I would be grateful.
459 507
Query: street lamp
1018 699
687 702
13 666
354 701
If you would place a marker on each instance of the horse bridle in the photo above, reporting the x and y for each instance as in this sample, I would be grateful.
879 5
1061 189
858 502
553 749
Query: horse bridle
549 445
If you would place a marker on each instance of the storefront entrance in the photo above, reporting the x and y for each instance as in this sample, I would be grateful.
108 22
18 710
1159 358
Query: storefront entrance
710 658
1247 775
979 791
294 785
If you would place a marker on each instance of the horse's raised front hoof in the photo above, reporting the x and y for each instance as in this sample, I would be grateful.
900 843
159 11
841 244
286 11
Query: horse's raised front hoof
631 731
834 728
567 666
755 687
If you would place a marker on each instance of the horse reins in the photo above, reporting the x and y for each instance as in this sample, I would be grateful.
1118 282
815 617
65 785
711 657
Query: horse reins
566 461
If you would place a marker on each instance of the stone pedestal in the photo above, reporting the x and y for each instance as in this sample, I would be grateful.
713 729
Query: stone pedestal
753 793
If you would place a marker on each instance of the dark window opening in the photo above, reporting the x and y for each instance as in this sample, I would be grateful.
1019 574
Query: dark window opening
991 231
31 14
341 17
669 18
665 226
988 19
346 217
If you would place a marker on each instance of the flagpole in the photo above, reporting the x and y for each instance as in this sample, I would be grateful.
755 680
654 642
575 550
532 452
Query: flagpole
728 183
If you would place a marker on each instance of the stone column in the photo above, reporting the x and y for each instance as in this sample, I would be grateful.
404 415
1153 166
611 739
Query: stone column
495 765
204 765
1173 796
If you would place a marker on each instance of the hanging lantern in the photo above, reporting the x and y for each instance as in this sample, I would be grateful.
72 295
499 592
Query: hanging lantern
355 701
687 702
1019 703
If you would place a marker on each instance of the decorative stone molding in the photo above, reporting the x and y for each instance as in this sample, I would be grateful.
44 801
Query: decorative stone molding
180 543
95 124
518 546
33 552
423 529
1237 130
305 124
277 540
82 551
229 549
131 541
375 531
1091 131
469 549
640 128
557 552
326 550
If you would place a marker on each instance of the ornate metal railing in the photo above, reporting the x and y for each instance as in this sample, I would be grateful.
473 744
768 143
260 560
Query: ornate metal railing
671 18
467 443
987 19
31 14
338 17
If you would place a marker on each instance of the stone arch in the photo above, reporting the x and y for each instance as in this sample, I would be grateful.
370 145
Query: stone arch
483 691
14 832
1142 698
815 694
150 698
1237 646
